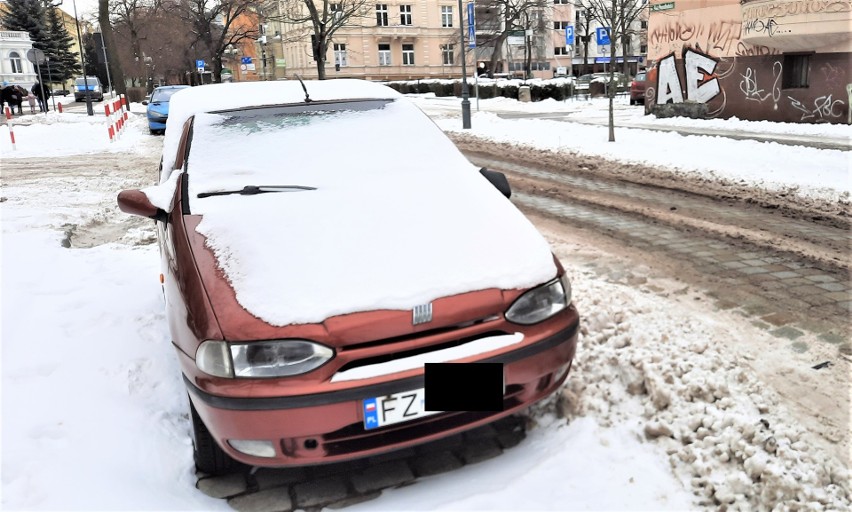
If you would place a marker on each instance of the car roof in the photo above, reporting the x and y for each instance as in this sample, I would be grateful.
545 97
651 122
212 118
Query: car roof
242 95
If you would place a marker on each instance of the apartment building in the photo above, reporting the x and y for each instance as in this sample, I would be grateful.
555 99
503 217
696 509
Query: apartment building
776 60
405 40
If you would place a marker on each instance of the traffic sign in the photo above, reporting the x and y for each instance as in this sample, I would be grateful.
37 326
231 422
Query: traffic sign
245 60
35 56
569 35
199 65
602 35
471 26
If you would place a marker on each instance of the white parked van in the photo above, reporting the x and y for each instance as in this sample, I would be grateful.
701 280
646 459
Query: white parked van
94 88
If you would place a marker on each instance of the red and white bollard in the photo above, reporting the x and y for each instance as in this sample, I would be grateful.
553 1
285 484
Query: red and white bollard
59 106
11 128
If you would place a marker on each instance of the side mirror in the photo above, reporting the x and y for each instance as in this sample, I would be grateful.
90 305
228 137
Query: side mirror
136 202
498 179
144 102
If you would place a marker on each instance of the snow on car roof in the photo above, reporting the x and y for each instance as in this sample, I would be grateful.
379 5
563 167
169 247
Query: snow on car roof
215 97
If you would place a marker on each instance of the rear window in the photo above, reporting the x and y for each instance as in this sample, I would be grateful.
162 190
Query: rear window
163 94
82 82
640 77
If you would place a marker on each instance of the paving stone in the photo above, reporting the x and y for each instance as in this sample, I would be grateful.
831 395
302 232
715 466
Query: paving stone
755 262
760 325
821 278
799 347
337 468
510 439
267 478
796 281
785 274
479 450
270 500
832 337
818 299
223 486
787 332
320 492
385 475
732 265
483 432
353 500
833 287
771 285
447 443
434 463
838 296
779 319
807 289
753 270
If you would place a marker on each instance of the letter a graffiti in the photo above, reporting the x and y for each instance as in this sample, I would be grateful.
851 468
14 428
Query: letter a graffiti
668 83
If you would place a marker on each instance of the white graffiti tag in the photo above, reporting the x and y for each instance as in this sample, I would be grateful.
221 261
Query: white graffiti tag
749 86
701 84
824 107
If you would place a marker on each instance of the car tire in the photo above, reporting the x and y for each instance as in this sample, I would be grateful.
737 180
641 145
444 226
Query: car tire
209 457
632 101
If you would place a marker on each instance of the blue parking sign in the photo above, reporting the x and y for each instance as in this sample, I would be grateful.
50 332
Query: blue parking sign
602 36
569 35
199 64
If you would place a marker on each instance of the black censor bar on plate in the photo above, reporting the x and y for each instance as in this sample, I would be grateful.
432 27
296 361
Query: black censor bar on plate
464 386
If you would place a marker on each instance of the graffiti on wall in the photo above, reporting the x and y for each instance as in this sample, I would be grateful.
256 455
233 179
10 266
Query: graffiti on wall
796 7
768 27
750 86
719 36
701 84
825 108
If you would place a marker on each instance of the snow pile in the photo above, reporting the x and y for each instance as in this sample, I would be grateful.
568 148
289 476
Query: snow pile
728 437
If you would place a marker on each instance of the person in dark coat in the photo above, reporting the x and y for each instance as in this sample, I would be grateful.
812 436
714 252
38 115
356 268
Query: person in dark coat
42 92
11 95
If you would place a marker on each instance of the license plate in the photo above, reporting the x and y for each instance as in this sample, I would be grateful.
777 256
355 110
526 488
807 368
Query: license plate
396 408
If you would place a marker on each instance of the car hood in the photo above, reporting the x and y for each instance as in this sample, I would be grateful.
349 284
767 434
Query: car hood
161 107
302 257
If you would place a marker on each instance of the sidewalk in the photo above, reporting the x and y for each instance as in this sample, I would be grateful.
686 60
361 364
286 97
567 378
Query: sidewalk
596 112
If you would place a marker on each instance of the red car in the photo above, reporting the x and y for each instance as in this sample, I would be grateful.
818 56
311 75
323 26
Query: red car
637 88
322 243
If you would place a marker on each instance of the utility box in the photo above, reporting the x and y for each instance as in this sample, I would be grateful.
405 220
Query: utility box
524 94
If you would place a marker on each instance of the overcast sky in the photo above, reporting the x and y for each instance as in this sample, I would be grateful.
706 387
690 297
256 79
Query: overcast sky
86 9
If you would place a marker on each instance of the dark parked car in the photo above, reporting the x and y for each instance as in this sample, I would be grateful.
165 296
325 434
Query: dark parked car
637 88
581 86
61 92
157 110
321 243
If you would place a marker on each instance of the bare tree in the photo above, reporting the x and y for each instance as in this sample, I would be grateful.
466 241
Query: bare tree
584 33
116 72
216 24
319 19
616 16
505 17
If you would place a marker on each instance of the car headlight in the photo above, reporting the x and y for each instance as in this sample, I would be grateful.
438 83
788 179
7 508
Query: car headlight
541 303
154 113
275 358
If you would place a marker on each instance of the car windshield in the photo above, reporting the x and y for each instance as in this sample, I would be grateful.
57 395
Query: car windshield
163 94
319 144
82 82
640 77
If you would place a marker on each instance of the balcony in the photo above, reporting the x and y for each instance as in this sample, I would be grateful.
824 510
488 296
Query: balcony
798 25
400 31
8 35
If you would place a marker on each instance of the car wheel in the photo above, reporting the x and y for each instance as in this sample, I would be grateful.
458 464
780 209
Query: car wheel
632 101
209 458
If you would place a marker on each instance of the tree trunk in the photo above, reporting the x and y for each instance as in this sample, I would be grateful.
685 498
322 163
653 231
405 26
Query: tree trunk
586 39
117 74
497 53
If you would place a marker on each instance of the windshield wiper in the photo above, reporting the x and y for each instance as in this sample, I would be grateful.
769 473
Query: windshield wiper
250 190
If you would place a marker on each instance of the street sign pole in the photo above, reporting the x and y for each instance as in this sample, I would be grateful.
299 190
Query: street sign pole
465 93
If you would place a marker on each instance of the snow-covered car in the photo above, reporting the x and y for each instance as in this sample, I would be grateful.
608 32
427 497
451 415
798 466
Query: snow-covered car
323 246
157 107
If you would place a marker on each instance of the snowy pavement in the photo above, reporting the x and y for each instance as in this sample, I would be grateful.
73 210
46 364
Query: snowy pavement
662 409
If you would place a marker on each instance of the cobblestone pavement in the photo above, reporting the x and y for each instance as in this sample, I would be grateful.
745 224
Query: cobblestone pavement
790 295
338 485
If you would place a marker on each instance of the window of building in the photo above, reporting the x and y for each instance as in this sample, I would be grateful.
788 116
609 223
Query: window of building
795 71
561 2
382 15
405 15
560 50
559 25
337 11
15 59
446 16
340 55
643 49
408 55
643 24
384 54
447 56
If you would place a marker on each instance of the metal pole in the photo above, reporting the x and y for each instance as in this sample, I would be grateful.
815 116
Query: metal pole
106 64
50 81
43 102
465 93
83 63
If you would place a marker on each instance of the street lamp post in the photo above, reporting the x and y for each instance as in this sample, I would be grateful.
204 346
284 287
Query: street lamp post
83 61
465 92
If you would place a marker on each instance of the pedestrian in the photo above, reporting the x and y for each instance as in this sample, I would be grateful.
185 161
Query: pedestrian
11 95
42 92
31 99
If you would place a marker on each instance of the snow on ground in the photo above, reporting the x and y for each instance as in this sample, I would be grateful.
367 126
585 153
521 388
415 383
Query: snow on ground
659 413
808 172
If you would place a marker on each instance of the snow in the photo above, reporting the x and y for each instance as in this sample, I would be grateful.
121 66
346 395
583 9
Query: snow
94 413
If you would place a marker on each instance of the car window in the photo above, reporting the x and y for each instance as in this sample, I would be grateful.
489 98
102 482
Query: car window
163 94
640 77
82 82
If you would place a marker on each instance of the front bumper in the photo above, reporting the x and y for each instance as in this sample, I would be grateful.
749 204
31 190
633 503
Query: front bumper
158 123
328 427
